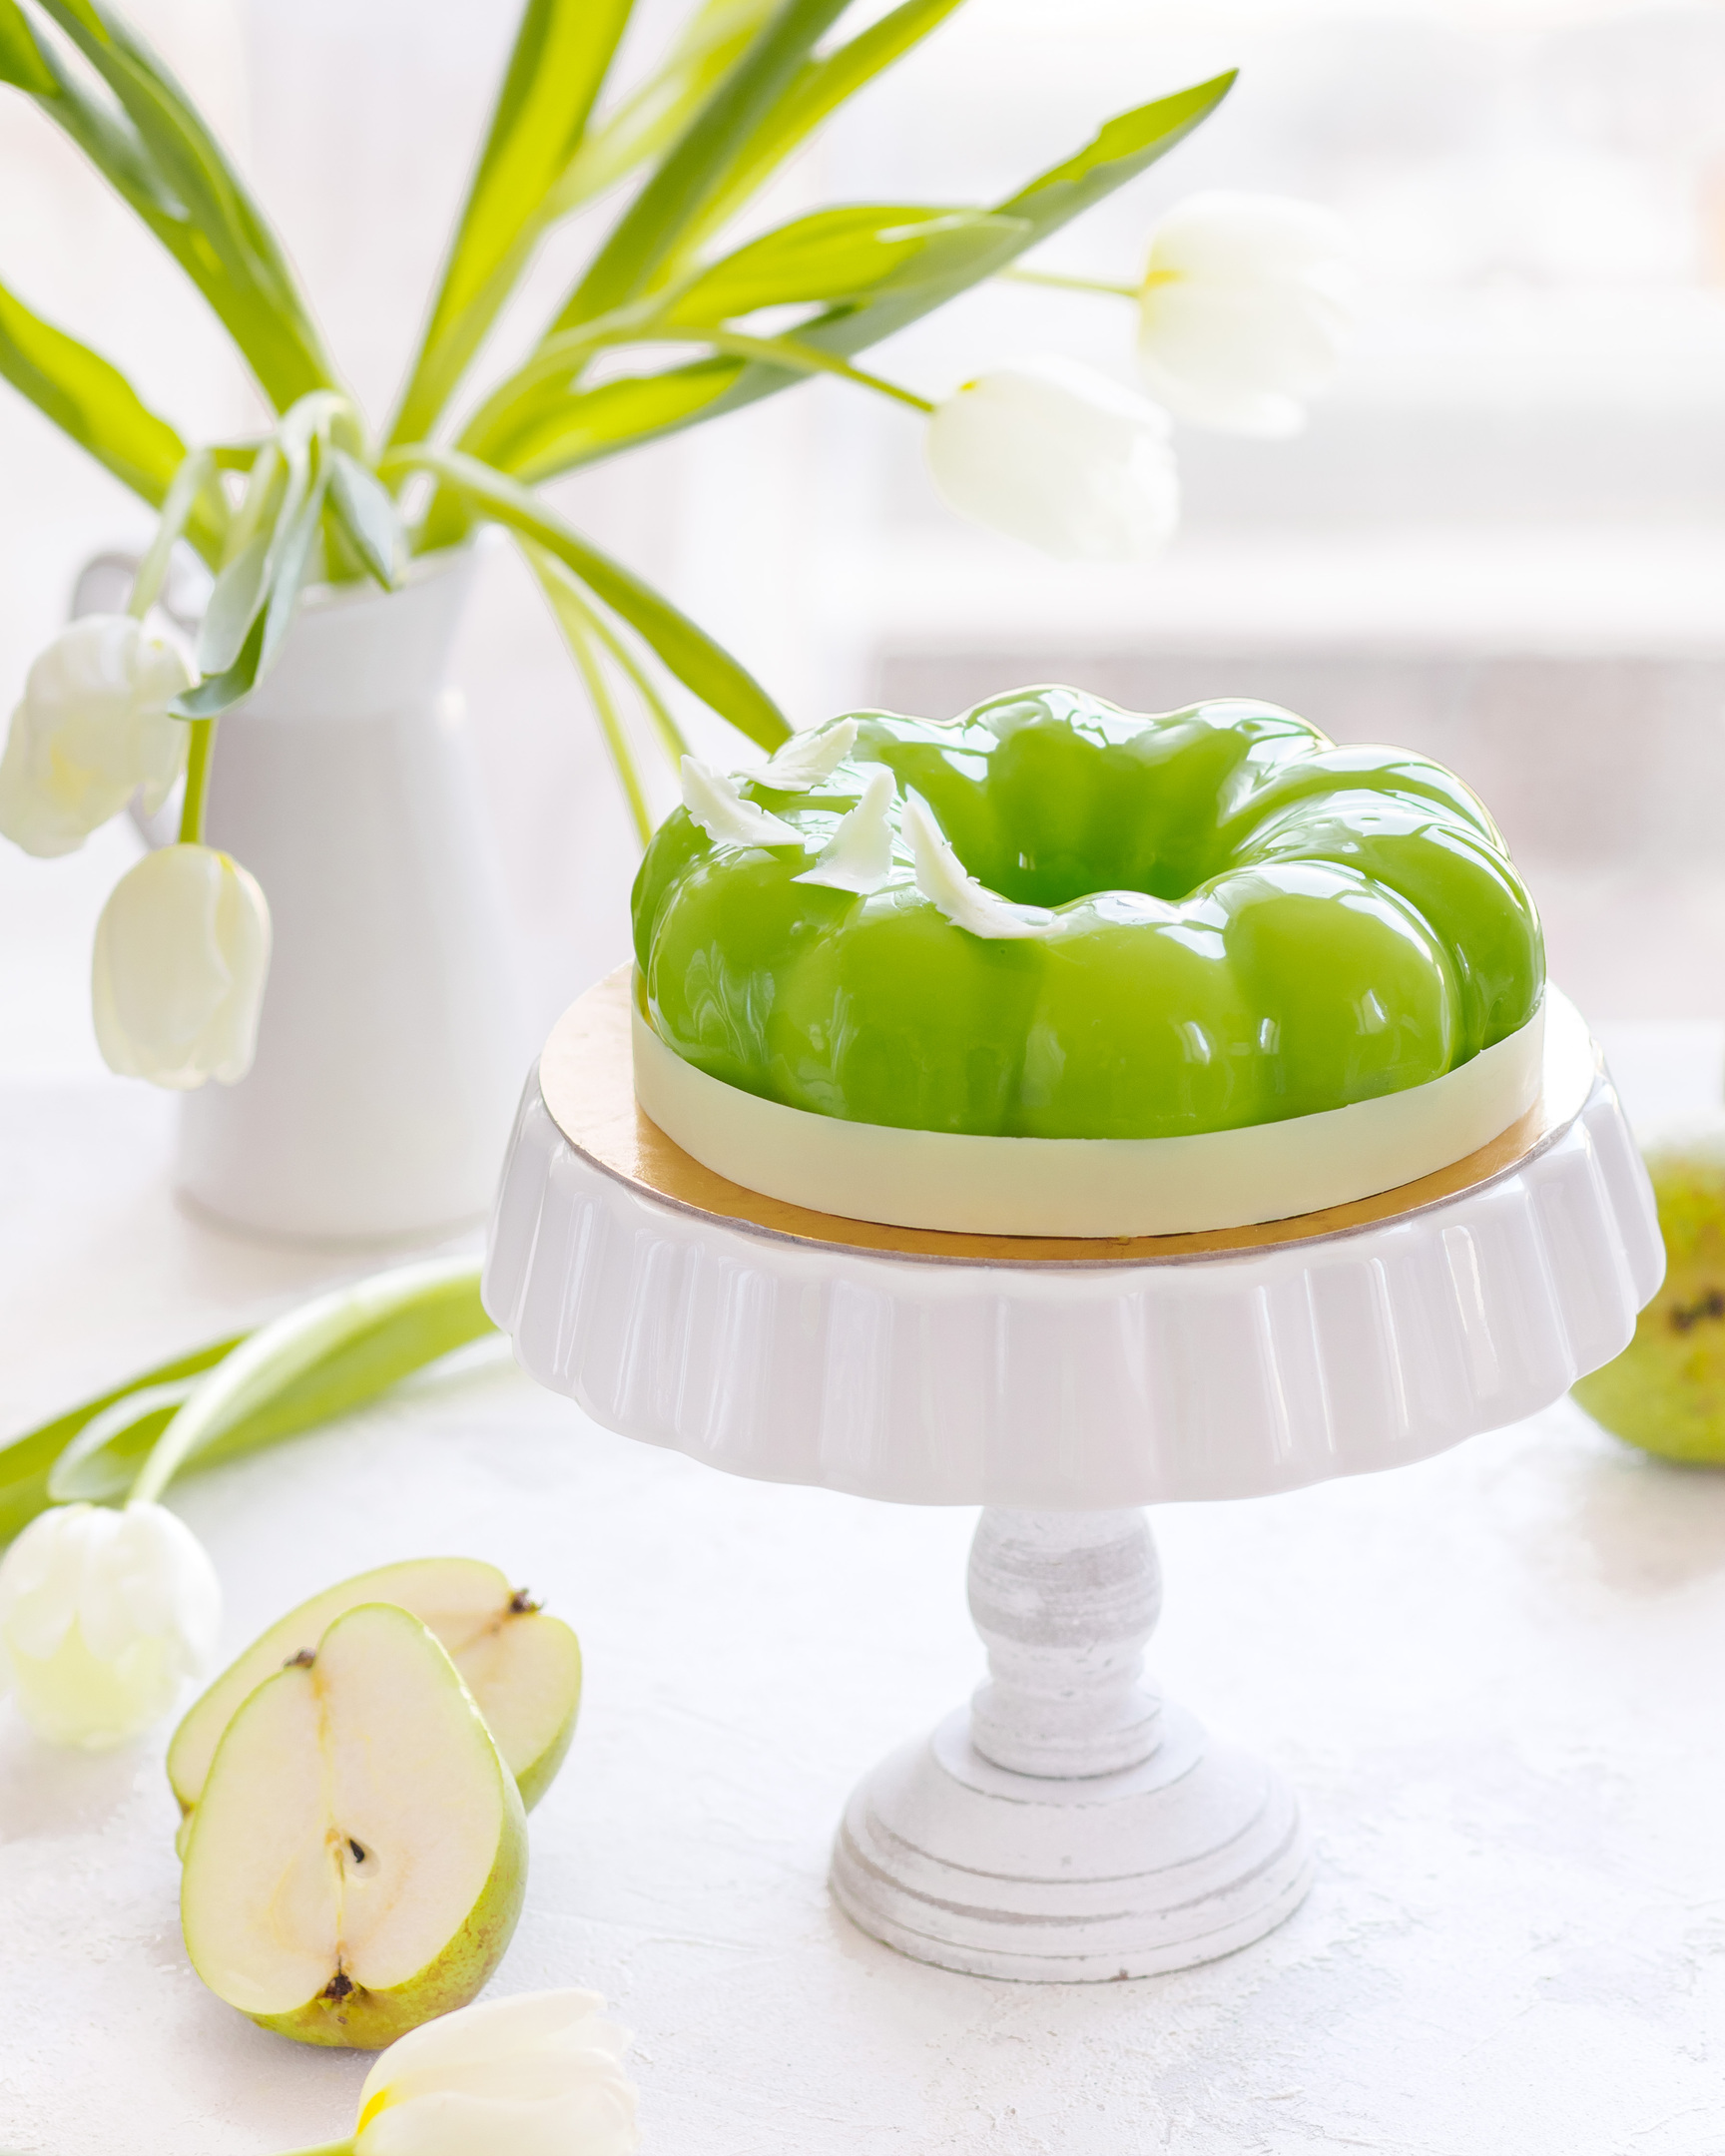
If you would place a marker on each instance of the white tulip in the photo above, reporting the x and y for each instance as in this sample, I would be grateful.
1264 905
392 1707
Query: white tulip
1055 453
1245 309
103 1616
93 726
536 2075
181 950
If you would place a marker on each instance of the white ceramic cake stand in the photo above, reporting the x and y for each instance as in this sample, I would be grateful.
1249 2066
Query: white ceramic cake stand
1068 1823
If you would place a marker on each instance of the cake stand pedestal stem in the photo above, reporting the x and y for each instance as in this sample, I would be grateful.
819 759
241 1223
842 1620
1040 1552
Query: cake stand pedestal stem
1069 1824
1064 1602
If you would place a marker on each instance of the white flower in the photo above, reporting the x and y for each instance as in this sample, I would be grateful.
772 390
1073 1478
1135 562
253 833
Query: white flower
92 728
181 950
1246 307
537 2075
1055 453
104 1615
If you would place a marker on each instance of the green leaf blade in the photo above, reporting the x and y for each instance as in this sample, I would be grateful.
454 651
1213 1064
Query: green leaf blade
562 54
816 91
696 166
553 428
27 1460
164 163
699 662
368 516
22 63
832 257
94 404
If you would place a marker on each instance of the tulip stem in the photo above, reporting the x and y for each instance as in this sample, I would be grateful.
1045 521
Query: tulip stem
788 351
197 781
1072 283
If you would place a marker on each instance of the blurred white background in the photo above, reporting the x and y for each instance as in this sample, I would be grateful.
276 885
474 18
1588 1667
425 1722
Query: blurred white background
1501 539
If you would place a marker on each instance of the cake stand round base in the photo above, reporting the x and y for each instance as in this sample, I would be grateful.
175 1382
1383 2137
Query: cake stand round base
953 1860
1068 1824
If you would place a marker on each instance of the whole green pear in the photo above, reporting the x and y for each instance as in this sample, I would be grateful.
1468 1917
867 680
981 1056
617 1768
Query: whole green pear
1666 1391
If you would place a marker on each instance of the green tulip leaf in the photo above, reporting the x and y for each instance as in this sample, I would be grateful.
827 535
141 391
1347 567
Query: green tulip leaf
688 652
319 1360
367 513
837 255
563 51
817 89
580 627
27 1460
97 406
160 156
103 1461
218 693
698 164
234 605
290 568
656 112
21 59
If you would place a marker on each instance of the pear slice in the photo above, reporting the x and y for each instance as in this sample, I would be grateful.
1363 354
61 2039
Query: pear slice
359 1853
522 1667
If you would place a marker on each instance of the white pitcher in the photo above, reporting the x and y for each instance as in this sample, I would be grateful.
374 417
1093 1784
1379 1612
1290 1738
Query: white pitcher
393 1038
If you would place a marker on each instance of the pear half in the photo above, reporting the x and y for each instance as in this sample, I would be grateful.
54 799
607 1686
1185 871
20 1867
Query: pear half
1666 1391
359 1855
522 1667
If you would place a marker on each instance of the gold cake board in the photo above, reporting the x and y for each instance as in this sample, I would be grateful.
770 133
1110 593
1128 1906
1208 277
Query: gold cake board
586 1076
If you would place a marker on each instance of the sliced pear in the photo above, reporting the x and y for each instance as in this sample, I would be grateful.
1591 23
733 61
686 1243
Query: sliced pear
358 1853
522 1667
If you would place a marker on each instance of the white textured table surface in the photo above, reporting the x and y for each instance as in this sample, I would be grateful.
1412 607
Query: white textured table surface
1495 1676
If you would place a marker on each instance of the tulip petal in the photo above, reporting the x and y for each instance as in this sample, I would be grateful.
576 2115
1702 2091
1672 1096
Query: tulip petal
103 1617
537 2075
182 954
1245 309
1056 454
92 728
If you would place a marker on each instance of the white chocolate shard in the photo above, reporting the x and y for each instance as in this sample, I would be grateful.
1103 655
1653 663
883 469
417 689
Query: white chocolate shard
941 876
807 758
858 855
728 819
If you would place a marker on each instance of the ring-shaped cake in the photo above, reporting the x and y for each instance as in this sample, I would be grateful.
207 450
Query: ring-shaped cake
1212 966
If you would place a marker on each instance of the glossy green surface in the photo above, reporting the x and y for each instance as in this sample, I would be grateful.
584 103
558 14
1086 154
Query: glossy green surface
1253 923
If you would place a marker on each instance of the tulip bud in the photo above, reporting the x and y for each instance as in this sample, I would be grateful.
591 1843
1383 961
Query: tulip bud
1245 309
1055 453
181 950
536 2075
104 1615
93 726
